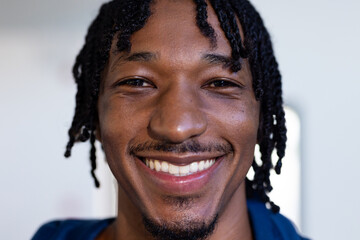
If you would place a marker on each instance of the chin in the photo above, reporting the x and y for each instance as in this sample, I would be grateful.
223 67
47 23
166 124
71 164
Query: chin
182 217
185 228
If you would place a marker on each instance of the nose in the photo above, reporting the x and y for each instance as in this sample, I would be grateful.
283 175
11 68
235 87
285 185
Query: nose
177 117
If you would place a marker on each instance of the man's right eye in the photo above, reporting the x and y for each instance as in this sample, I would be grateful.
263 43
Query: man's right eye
134 82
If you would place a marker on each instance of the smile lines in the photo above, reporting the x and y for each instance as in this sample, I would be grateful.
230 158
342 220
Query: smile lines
184 170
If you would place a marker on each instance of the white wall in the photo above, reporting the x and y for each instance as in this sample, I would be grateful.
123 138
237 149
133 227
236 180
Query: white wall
317 46
38 43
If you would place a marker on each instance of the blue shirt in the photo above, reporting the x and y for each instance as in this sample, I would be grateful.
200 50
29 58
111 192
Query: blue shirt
266 225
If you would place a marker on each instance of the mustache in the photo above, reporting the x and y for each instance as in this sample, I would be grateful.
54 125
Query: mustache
191 146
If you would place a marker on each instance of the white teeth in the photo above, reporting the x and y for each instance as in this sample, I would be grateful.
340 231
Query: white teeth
152 164
157 165
164 166
175 170
201 165
194 167
206 165
184 170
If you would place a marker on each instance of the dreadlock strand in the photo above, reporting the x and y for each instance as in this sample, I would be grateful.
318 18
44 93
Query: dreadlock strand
202 23
93 159
235 30
226 27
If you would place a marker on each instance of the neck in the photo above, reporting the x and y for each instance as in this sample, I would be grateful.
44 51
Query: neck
233 222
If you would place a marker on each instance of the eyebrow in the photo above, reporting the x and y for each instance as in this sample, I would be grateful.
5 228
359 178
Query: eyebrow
142 57
136 57
211 58
216 59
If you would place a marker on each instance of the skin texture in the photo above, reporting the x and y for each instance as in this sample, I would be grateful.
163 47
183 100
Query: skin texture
180 97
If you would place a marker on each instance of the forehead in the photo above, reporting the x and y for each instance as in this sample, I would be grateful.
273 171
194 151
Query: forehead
171 29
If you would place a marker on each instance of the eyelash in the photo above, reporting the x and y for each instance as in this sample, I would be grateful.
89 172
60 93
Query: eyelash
134 82
223 84
215 83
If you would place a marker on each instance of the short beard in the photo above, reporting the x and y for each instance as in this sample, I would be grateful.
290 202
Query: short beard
184 230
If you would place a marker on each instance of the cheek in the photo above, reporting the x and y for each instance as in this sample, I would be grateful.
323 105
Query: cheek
238 121
238 124
115 131
112 122
121 123
118 120
246 125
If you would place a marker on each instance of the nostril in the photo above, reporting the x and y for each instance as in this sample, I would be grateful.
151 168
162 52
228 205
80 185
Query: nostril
177 126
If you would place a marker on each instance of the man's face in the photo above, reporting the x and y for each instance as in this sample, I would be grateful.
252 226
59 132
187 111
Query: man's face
172 104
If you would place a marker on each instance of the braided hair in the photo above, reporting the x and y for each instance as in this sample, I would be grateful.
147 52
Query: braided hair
121 18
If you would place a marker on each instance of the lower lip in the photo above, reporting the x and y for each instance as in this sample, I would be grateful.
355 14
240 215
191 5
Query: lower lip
180 185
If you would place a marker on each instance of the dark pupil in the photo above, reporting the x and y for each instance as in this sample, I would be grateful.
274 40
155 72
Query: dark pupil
220 83
135 82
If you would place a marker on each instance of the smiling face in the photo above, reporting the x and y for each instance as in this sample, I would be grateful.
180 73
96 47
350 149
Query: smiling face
178 128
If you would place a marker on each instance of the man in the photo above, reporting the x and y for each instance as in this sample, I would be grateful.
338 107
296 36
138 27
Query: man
179 93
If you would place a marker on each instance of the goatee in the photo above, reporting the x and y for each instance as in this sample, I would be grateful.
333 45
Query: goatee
181 230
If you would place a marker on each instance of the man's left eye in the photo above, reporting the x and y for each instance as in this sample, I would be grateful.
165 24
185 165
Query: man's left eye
134 82
222 84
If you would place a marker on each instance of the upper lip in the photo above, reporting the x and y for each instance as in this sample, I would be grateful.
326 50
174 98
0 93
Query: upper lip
180 159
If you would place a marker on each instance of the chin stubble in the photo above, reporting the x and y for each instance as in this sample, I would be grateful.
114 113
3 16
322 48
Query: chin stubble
180 230
179 202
